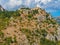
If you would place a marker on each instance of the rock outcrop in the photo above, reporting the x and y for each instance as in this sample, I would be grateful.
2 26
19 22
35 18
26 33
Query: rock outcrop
1 8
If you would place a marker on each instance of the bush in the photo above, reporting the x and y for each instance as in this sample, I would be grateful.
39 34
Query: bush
44 41
35 11
15 39
30 16
1 34
8 40
44 33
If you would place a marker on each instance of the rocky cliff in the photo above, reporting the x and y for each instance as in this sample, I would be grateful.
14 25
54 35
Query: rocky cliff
27 27
1 8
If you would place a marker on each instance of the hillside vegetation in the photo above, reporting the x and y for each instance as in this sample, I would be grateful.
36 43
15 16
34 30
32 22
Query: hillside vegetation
27 27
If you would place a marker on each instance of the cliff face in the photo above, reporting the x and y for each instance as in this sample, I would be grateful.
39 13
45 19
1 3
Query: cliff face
1 8
28 27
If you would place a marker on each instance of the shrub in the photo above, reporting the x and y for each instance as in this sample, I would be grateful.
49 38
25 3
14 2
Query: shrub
30 16
1 34
43 32
44 41
8 40
35 11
